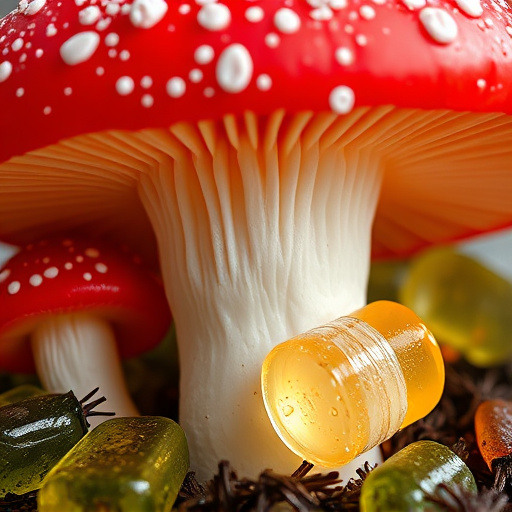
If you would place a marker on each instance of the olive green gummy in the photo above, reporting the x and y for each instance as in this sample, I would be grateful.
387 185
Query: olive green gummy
126 464
403 481
35 434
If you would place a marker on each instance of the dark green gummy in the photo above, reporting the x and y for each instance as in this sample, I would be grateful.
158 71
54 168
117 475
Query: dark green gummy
35 434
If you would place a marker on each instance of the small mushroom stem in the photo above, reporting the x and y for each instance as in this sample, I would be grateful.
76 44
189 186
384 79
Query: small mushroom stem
78 352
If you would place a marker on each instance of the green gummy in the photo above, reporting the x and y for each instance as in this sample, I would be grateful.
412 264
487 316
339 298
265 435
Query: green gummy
404 481
464 304
35 434
20 393
124 465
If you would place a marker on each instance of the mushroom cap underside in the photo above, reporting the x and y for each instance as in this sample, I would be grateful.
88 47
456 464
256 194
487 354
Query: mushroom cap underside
76 68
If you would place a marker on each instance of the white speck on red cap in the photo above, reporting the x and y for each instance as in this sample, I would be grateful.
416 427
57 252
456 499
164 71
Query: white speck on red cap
125 85
51 272
51 30
342 99
472 8
344 56
414 5
101 268
79 48
112 39
87 276
481 83
195 75
112 9
31 8
147 13
264 82
367 12
147 101
214 17
439 24
234 68
184 9
254 14
90 15
286 21
176 87
272 40
17 44
5 70
204 54
4 275
14 287
146 82
35 280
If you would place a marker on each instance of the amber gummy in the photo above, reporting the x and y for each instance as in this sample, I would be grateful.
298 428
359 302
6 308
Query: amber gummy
338 390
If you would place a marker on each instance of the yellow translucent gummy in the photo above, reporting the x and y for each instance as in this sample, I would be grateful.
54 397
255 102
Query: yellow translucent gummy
341 389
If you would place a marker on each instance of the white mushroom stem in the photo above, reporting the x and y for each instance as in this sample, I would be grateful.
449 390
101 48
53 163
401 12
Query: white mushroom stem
78 352
260 240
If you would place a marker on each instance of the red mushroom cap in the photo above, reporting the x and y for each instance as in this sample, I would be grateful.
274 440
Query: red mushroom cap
66 276
70 68
80 67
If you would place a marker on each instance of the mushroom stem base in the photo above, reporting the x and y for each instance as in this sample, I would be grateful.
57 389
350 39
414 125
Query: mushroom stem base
78 352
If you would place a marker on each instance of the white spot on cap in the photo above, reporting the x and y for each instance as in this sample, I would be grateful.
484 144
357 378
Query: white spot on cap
342 99
35 280
87 276
472 8
14 287
101 268
51 30
4 275
254 14
234 68
146 82
367 12
47 110
79 48
214 17
344 56
31 8
5 70
17 44
439 24
147 13
51 272
286 21
264 82
112 9
125 85
147 101
112 39
20 92
272 40
90 15
68 265
184 9
414 5
176 87
195 75
481 83
204 54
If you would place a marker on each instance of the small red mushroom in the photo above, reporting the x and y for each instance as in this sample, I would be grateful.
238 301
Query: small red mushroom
71 309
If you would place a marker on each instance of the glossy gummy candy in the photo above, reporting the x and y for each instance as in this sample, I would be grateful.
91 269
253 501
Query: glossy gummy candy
341 389
36 433
466 305
404 482
493 429
125 464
